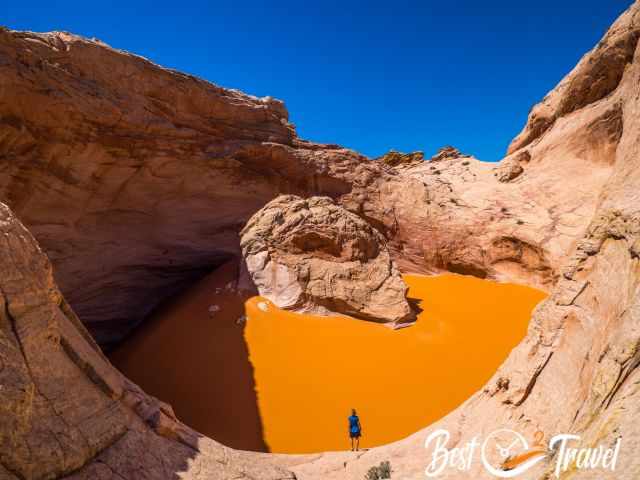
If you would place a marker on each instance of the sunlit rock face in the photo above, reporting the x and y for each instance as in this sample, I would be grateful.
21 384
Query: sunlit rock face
137 179
311 255
398 159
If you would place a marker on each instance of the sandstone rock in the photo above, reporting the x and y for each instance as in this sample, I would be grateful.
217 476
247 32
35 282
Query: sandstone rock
597 75
447 152
311 255
512 167
136 179
449 215
396 159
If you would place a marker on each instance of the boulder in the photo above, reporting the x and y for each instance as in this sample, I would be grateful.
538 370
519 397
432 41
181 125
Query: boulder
447 152
311 255
512 167
398 159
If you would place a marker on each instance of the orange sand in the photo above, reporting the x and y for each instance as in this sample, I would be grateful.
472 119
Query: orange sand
286 382
310 371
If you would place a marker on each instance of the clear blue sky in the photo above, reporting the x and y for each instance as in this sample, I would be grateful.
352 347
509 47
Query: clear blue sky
373 76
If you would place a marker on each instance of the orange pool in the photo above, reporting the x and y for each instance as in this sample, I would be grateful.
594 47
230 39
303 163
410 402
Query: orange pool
285 382
310 371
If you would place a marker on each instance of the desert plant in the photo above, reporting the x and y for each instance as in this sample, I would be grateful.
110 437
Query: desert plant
380 472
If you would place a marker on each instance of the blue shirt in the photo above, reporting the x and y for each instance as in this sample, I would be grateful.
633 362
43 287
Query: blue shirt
354 424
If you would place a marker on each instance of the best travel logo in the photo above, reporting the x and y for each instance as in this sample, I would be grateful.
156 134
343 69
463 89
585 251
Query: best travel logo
506 454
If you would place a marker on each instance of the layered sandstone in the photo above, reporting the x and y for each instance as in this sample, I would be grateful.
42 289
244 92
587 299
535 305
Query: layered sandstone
311 255
398 159
448 152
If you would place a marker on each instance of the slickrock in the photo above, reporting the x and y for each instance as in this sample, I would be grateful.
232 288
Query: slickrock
454 214
597 75
311 255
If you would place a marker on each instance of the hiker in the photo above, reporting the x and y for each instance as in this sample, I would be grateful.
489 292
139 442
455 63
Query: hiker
355 430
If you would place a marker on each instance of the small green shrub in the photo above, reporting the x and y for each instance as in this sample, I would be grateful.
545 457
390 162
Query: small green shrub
380 472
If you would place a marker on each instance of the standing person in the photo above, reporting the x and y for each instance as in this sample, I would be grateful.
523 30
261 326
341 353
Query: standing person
355 430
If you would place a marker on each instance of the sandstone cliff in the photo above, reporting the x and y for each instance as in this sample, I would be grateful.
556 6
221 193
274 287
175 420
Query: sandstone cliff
136 179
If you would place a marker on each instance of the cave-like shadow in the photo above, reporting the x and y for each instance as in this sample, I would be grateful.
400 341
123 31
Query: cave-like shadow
191 353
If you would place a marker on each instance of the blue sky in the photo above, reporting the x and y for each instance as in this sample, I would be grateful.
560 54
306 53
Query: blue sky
372 76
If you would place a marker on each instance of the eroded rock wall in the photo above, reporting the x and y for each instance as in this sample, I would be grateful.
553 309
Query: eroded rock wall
137 179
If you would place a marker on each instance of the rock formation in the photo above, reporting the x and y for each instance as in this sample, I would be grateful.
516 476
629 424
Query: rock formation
136 179
311 255
448 152
398 159
512 166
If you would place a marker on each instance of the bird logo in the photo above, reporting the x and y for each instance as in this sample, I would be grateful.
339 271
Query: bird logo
506 453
